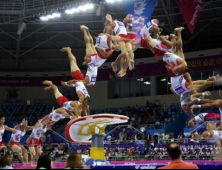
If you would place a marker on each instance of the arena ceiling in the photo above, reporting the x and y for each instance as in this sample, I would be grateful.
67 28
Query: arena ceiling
37 48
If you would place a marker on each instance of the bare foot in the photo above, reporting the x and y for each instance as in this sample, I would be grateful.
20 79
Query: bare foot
131 65
46 82
65 49
83 27
167 37
172 36
121 74
179 30
114 67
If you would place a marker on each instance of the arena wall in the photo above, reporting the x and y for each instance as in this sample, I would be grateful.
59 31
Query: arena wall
99 97
99 93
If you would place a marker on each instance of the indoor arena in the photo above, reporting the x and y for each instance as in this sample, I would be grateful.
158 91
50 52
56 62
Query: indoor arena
110 84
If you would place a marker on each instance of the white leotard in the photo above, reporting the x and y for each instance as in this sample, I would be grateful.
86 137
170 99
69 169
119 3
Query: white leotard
92 73
2 133
96 61
171 58
81 87
17 136
220 113
185 99
38 132
67 106
102 42
217 135
145 32
179 85
120 28
199 119
55 117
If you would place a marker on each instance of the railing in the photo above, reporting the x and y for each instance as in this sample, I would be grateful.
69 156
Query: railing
154 126
124 142
185 140
155 157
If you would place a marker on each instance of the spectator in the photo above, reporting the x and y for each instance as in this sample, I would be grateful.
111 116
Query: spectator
147 146
172 137
49 139
109 138
157 103
175 155
161 136
155 139
44 162
157 123
6 161
112 138
208 153
152 144
79 151
43 139
74 161
181 135
120 111
137 107
164 106
192 137
167 136
149 137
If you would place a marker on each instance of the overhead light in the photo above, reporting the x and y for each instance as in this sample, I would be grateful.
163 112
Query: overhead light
110 1
68 11
89 6
49 16
52 16
56 15
164 79
44 18
80 8
75 10
169 83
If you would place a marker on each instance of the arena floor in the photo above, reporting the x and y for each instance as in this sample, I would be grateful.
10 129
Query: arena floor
129 165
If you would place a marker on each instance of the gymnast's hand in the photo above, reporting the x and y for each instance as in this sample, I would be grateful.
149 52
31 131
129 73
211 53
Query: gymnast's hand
207 93
194 107
63 83
109 18
176 70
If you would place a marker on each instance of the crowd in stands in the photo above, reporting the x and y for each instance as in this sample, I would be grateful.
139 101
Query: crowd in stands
12 110
190 152
154 114
172 151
